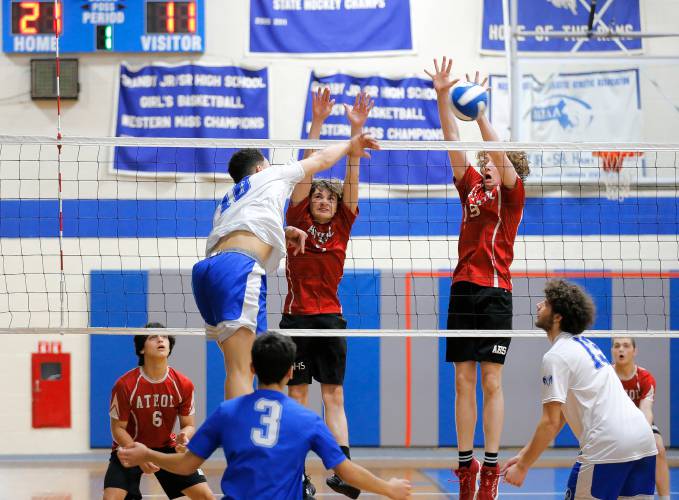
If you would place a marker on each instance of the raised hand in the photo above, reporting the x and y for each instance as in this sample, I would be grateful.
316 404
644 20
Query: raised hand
359 143
321 104
441 75
476 81
358 115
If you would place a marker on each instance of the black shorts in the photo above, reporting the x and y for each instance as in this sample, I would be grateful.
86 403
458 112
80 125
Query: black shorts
323 358
480 308
118 476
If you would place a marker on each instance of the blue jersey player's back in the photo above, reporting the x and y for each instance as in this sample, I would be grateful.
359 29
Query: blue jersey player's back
266 437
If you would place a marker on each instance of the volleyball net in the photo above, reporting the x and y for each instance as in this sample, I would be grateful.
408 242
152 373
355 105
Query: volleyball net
103 232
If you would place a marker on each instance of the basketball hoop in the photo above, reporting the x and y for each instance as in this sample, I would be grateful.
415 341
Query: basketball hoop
617 181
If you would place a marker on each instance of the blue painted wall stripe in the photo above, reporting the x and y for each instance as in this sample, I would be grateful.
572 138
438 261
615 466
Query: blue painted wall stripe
379 217
359 294
674 363
601 290
118 299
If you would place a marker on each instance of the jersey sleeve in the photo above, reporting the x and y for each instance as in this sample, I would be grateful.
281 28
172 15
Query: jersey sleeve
187 406
463 185
291 173
208 437
647 387
120 402
323 443
297 214
517 194
555 375
347 216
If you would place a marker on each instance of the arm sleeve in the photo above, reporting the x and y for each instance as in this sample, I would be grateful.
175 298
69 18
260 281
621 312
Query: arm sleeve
648 389
208 436
291 173
555 375
120 402
325 446
470 177
296 214
187 407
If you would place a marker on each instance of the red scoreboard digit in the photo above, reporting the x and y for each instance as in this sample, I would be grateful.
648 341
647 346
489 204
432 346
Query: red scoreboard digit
36 18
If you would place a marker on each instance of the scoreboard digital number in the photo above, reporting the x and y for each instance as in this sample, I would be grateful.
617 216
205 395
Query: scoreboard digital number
103 25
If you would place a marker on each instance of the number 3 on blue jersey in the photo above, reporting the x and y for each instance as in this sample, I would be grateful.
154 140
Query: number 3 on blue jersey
267 435
593 351
237 192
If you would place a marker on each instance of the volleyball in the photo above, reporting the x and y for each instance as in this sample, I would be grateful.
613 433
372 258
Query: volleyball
469 101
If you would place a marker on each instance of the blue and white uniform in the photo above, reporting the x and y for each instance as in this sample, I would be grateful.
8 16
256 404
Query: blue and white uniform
230 286
618 450
265 436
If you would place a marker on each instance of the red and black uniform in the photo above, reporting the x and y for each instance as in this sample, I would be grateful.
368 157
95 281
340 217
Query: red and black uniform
150 408
641 387
312 301
480 296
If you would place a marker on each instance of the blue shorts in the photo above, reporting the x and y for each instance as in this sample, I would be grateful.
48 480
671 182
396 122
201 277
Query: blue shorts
230 291
609 481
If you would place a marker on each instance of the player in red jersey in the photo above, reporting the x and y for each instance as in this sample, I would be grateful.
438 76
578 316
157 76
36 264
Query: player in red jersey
480 296
145 403
326 210
640 385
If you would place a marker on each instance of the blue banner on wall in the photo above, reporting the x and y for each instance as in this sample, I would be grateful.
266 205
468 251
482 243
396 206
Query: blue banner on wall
189 101
618 16
404 109
329 26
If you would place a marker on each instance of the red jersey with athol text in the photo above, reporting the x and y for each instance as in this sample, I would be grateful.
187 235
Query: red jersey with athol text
490 221
151 407
314 277
641 386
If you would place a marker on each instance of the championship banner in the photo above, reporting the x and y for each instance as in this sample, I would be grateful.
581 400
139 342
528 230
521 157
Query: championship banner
189 101
323 27
404 110
575 107
618 16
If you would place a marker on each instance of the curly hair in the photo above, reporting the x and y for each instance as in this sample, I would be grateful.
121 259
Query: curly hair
573 304
333 185
519 160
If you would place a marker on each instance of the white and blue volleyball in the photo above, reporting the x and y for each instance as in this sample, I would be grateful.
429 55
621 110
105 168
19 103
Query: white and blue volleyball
469 101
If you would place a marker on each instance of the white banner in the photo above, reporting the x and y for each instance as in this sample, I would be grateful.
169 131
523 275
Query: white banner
596 106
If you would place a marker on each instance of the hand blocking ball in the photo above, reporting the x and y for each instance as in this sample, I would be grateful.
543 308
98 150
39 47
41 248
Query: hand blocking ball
469 101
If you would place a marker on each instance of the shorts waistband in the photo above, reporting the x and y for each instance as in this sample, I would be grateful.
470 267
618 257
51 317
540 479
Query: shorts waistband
241 251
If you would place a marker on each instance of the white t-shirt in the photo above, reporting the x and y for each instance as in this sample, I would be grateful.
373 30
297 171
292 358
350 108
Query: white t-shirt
256 204
609 427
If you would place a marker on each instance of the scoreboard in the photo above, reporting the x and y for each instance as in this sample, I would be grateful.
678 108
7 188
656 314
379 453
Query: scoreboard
103 26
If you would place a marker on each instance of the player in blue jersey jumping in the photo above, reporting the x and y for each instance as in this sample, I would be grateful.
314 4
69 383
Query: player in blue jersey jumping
266 436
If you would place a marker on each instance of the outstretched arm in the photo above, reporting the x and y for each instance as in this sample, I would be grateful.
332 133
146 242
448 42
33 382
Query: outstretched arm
321 107
488 132
179 463
326 158
363 479
442 85
357 117
551 423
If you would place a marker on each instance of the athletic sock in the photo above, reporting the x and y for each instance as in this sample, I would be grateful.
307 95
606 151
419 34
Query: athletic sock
345 450
465 458
490 459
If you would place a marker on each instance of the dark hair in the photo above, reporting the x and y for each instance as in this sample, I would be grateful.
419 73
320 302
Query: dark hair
140 340
573 304
272 356
243 163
